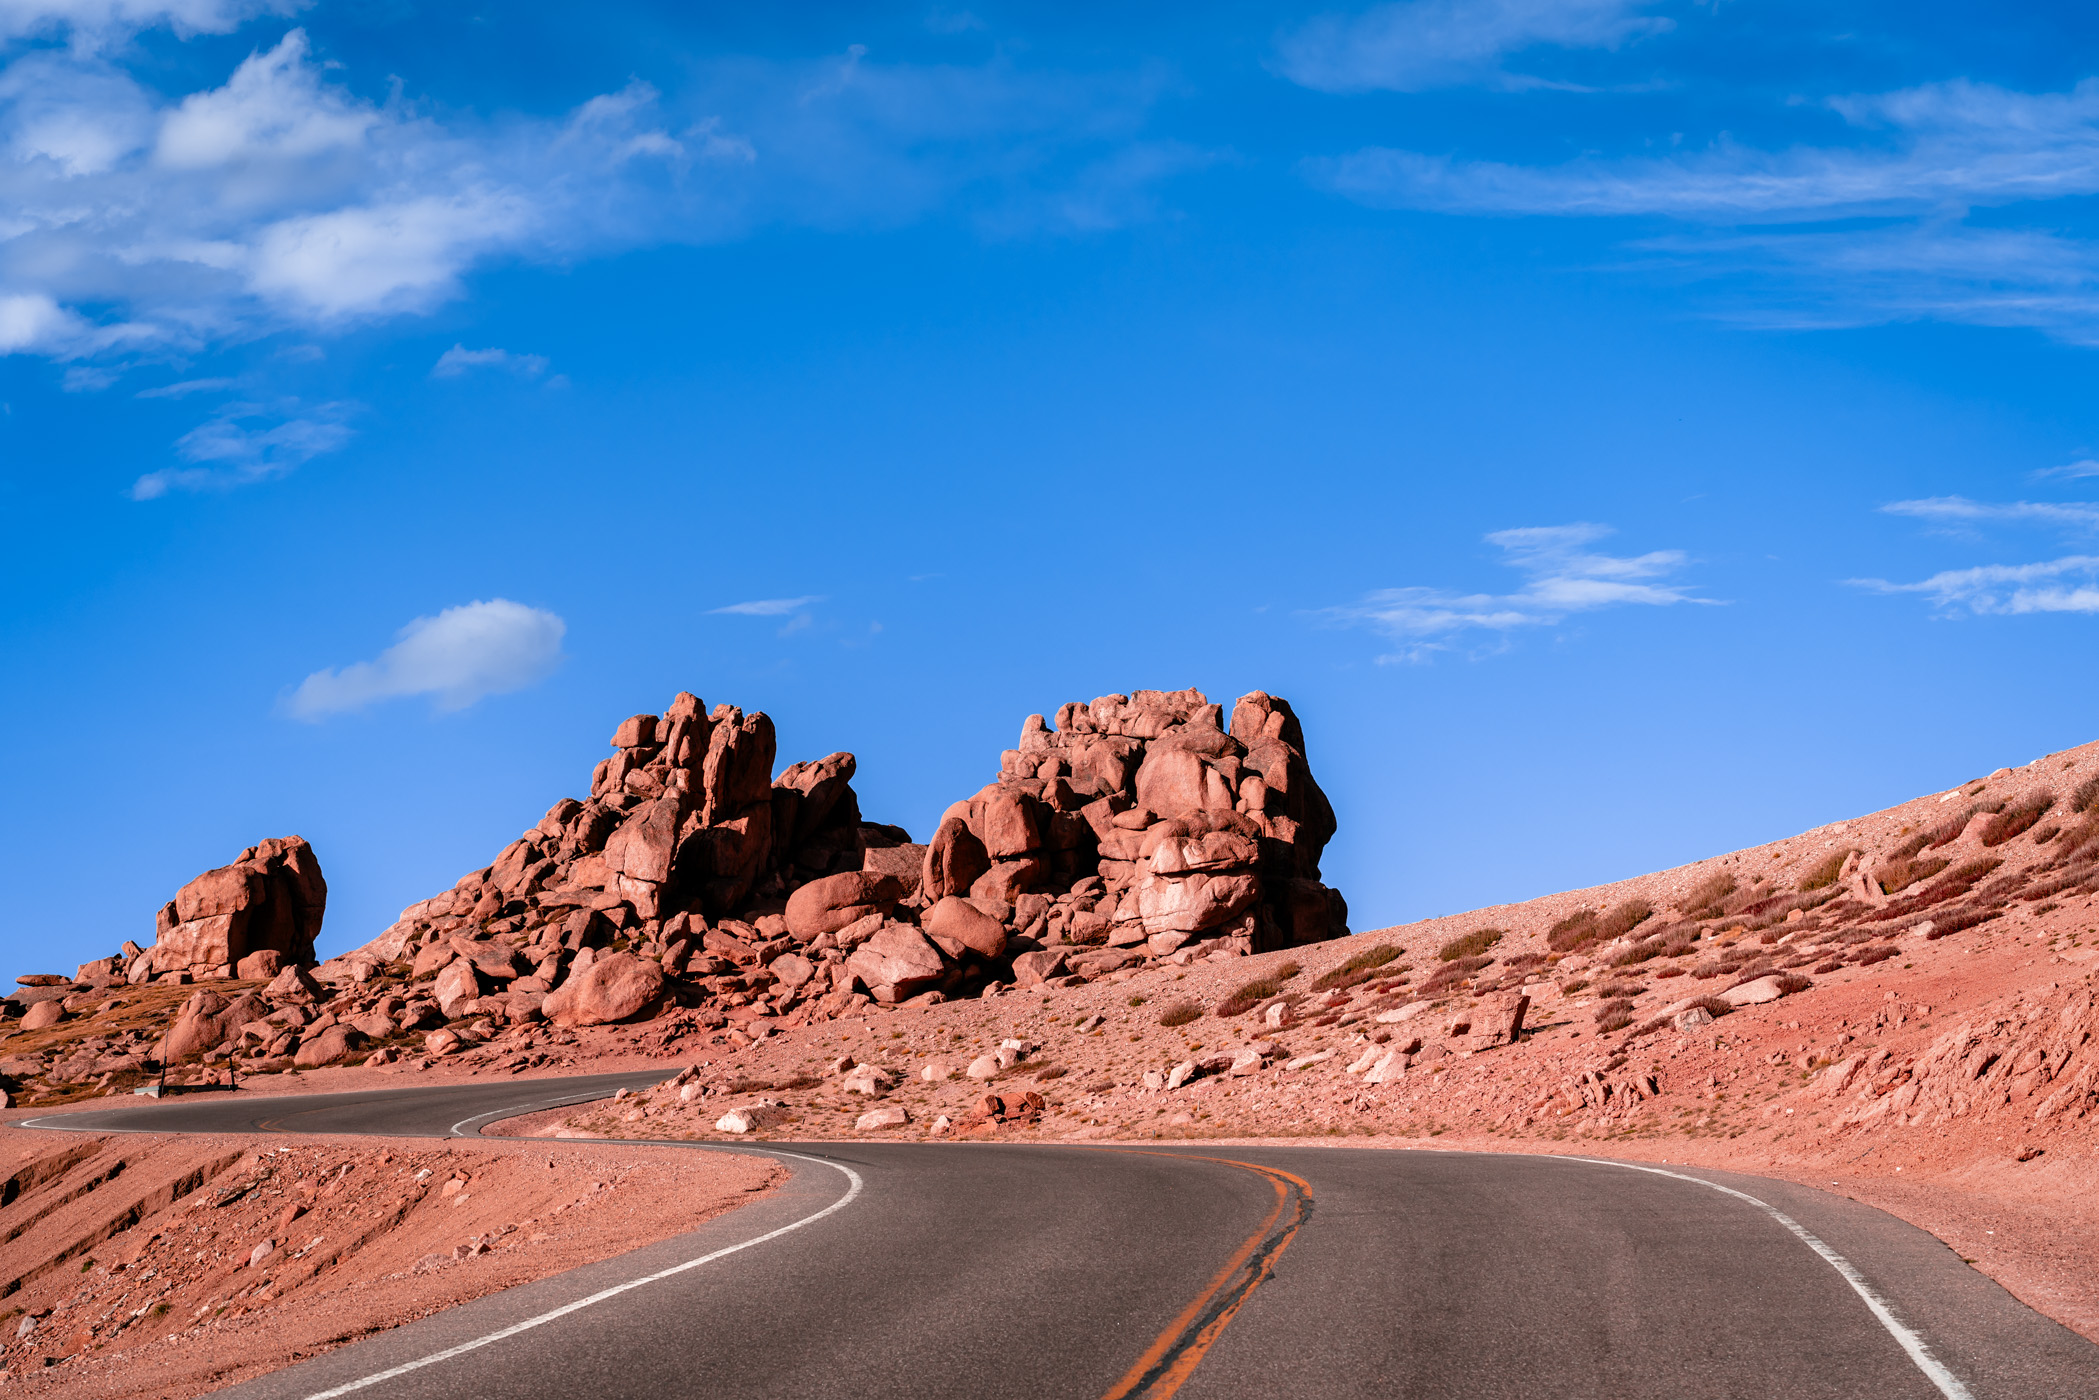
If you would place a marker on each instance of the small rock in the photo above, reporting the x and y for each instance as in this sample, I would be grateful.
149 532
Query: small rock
1312 1059
983 1067
1180 1074
1154 1080
261 1252
1694 1018
888 1116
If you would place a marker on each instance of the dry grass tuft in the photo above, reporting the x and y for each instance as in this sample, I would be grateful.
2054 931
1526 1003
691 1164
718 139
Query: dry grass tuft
1470 945
1825 874
1707 893
1613 1016
2086 797
1180 1014
1359 968
1253 993
2016 818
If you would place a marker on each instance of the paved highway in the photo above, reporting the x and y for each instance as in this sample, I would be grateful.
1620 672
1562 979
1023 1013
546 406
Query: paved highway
969 1270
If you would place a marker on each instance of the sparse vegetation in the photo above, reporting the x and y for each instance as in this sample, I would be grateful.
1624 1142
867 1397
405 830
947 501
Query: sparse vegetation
1454 972
1180 1014
1471 944
2016 818
2086 797
1253 993
1586 926
1702 900
1358 968
1613 1016
1827 872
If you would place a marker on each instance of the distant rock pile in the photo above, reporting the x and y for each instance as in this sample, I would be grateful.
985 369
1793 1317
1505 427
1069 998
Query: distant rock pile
1138 827
693 881
1141 820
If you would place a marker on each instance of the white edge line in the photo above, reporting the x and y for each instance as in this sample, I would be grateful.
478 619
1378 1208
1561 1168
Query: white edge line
531 1322
1934 1370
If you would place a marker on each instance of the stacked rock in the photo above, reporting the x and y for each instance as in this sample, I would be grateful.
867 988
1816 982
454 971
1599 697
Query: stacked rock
1140 819
249 919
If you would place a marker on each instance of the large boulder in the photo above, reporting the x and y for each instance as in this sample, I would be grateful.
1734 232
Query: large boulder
897 963
959 926
207 1021
271 899
330 1046
615 987
826 905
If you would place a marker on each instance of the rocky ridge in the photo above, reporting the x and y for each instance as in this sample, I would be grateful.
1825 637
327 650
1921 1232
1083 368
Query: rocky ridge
695 891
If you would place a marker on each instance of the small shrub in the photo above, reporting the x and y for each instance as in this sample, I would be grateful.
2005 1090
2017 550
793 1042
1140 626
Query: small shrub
1454 972
1624 919
1707 892
1136 1001
1568 989
1825 874
1791 982
1879 954
1899 874
1950 831
1824 969
1059 1071
1571 932
1956 920
2016 818
1712 1006
1470 945
1253 993
1612 991
2086 797
1613 1016
2046 834
1359 968
1180 1014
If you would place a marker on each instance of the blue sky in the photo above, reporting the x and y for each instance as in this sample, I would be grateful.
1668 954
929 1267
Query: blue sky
1626 431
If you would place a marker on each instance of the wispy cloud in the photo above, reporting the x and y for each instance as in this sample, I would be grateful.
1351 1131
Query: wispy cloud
2069 471
245 444
187 387
1421 44
1962 511
767 607
458 657
2066 585
92 23
140 225
458 360
1564 577
1911 165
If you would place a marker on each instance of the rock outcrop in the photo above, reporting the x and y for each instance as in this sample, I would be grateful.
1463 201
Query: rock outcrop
1137 827
1142 819
263 910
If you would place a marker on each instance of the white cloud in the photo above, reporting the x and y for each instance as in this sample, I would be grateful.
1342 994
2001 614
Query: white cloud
1911 165
458 657
275 106
2068 585
234 453
137 224
767 607
1422 44
1961 510
458 360
2069 471
187 387
94 22
1564 578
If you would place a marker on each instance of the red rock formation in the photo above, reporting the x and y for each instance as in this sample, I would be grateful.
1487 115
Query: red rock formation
270 900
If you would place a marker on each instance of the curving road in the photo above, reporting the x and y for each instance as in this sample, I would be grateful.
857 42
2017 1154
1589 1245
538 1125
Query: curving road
970 1270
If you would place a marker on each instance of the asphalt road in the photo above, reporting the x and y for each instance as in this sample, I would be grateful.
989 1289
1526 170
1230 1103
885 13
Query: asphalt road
970 1270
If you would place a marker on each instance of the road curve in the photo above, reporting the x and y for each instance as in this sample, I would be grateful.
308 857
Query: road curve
1020 1270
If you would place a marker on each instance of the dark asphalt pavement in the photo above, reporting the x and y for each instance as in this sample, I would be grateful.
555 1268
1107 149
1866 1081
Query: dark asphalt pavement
1017 1270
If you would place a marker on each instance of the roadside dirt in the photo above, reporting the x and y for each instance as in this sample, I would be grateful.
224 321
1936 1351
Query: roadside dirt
164 1267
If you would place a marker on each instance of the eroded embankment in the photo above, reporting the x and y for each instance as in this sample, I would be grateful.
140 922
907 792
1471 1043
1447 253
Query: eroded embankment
167 1267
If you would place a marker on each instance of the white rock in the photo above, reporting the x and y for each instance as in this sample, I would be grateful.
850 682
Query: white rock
935 1071
1368 1058
1278 1016
691 1091
1404 1013
1180 1074
942 1123
736 1120
261 1252
1390 1066
1312 1059
1247 1061
1694 1018
983 1067
1154 1080
1756 993
890 1116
